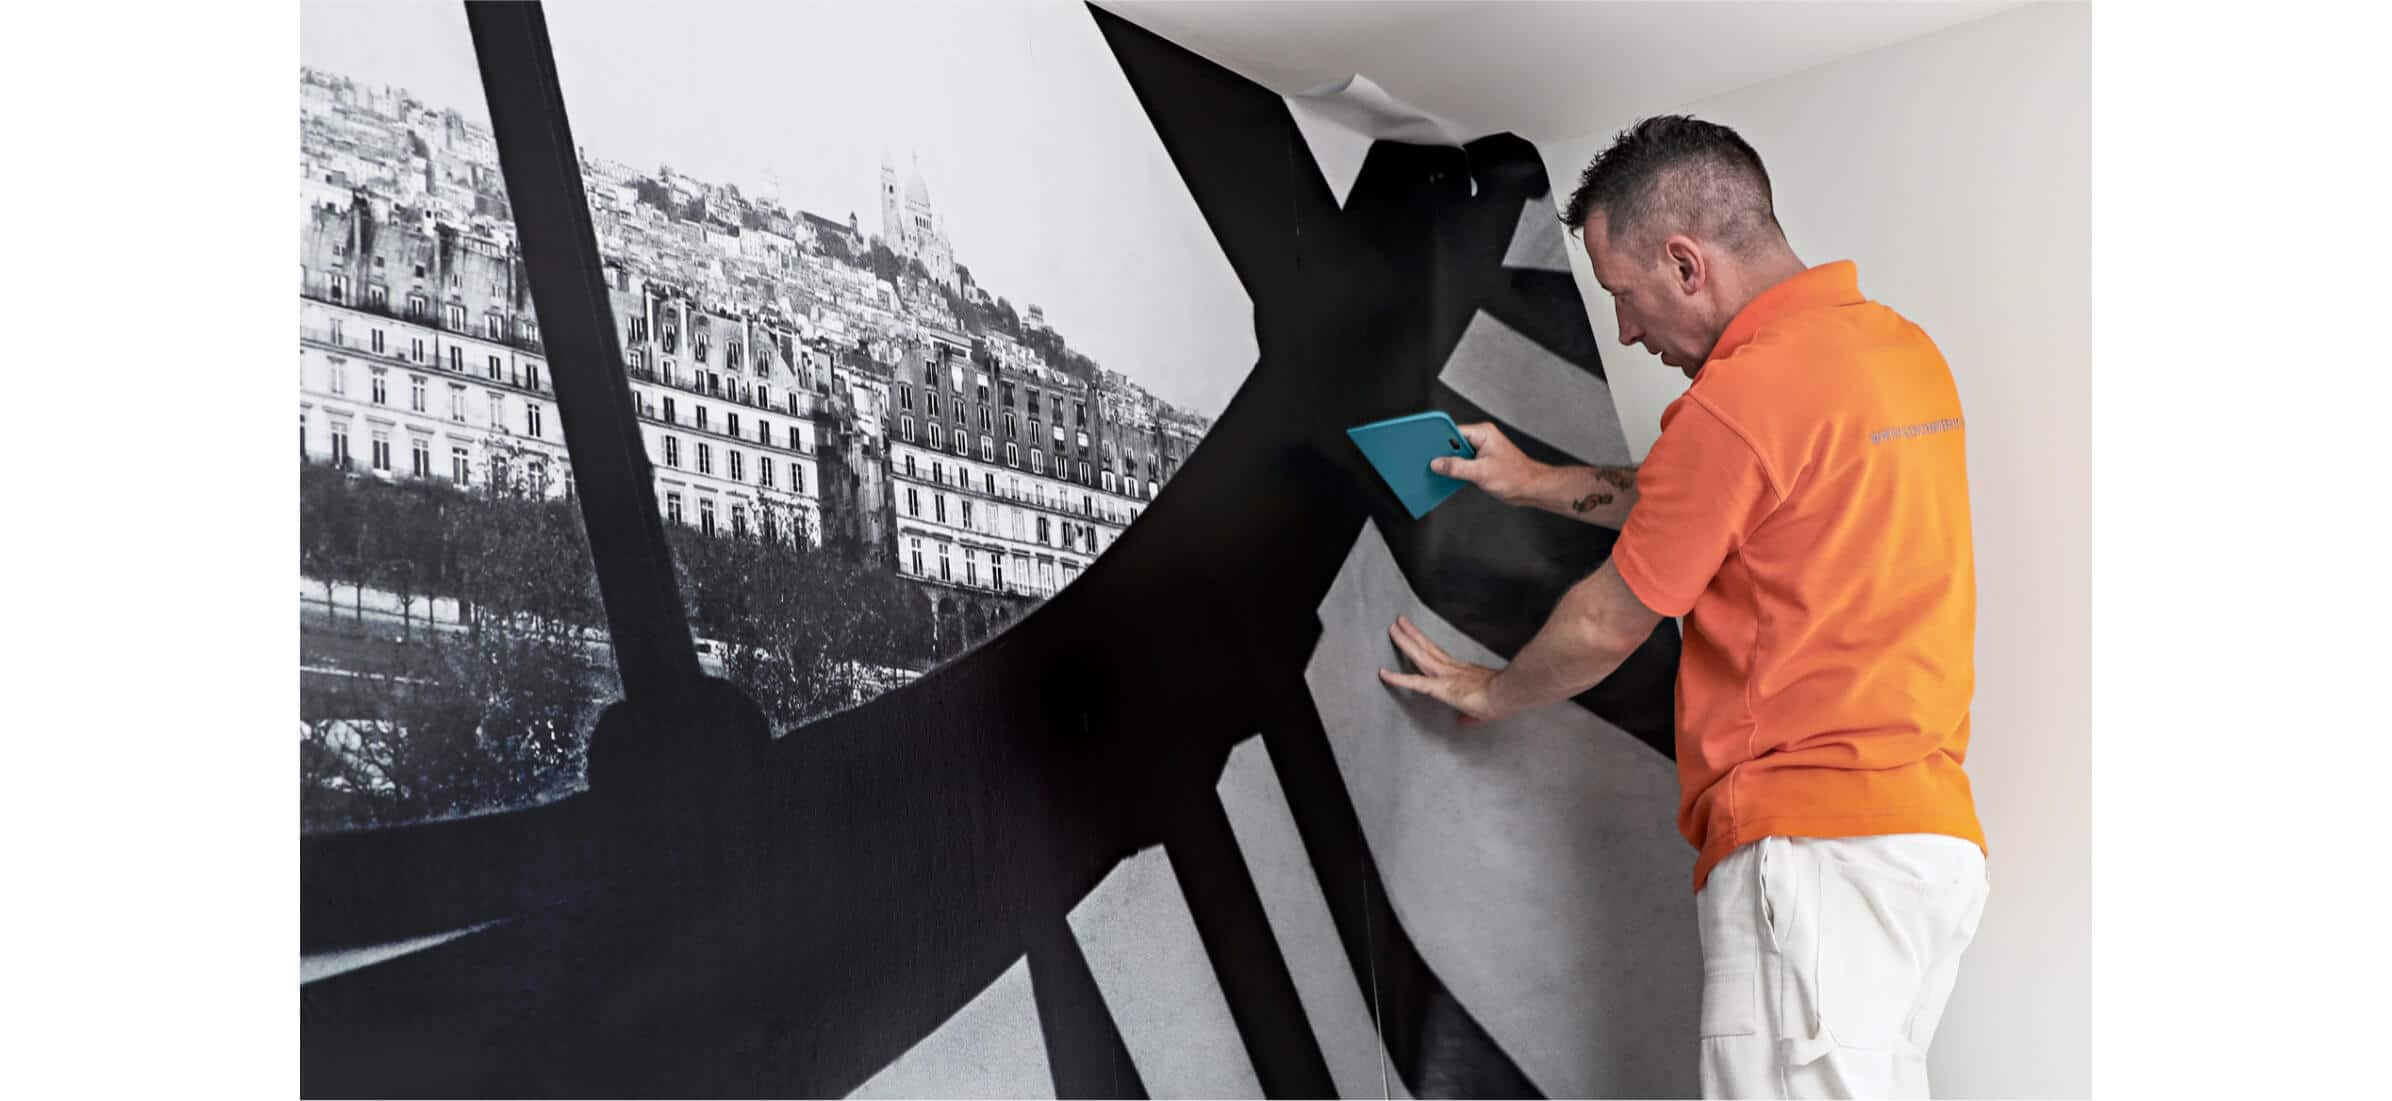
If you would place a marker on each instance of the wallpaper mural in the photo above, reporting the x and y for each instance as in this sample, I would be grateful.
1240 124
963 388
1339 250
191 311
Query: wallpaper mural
831 566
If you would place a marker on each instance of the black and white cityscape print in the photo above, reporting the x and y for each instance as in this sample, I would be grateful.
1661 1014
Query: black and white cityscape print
869 457
771 807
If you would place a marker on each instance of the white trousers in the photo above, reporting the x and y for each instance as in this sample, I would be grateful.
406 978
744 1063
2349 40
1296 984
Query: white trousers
1826 962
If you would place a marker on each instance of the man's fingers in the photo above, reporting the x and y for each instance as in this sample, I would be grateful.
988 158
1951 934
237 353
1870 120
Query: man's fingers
1468 470
1425 652
1481 435
1426 686
1417 646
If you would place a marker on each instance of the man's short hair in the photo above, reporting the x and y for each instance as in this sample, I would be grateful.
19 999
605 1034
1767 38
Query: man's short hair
1677 174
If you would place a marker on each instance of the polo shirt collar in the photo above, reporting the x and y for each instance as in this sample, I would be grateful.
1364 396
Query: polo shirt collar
1830 284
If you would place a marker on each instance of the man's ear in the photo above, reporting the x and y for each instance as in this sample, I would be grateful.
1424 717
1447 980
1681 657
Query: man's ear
1687 266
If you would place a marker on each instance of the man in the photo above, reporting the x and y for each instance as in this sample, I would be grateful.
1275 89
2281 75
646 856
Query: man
1806 511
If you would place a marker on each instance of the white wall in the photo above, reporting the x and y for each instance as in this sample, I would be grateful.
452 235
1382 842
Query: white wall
1954 169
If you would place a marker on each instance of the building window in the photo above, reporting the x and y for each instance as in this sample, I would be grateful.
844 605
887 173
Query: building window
706 515
738 465
493 328
938 472
764 432
971 570
337 374
1042 530
988 450
670 417
913 501
930 402
731 424
531 419
967 511
905 426
460 466
764 473
376 341
672 451
963 443
738 512
797 440
381 387
909 466
498 412
989 482
996 570
340 444
1083 474
938 507
1109 482
415 349
531 376
797 477
1037 462
705 457
420 451
340 288
672 508
415 393
905 395
937 439
1013 454
1010 426
337 339
917 549
772 532
418 305
496 372
701 411
375 294
945 574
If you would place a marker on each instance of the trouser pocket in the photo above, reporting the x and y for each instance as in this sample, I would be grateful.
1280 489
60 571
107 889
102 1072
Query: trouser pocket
1860 942
1731 1003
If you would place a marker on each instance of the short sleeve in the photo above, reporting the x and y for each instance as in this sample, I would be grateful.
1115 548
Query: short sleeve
1699 493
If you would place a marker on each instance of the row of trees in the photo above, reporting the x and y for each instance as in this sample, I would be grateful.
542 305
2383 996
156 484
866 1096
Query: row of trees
486 712
490 709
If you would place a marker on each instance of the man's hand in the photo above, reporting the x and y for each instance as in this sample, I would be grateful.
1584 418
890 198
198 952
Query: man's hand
1499 468
1442 677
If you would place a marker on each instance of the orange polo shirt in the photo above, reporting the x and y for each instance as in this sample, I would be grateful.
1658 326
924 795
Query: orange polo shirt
1806 510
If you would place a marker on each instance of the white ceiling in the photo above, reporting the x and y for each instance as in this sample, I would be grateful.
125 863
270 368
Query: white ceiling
1548 71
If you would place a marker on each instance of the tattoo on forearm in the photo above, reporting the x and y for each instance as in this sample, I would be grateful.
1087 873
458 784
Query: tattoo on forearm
1620 478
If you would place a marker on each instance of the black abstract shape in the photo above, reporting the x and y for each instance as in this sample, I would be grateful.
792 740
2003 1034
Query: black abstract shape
787 918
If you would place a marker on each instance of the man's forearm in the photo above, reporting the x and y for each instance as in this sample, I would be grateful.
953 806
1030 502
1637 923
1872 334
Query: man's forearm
1595 494
1571 653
